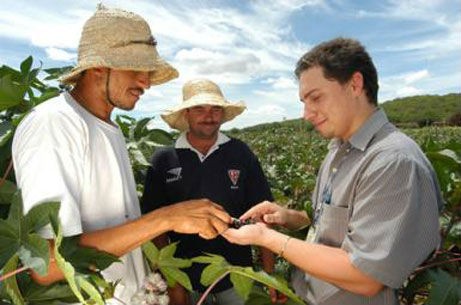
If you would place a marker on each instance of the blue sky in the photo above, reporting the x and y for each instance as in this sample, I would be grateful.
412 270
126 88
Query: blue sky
250 47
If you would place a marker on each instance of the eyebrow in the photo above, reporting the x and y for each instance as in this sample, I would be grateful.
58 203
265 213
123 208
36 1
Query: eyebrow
307 94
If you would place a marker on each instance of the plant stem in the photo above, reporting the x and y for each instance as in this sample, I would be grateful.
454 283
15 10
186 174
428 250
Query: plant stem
453 260
14 272
7 172
207 291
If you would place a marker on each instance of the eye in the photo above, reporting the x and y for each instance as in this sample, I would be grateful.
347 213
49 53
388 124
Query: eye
316 98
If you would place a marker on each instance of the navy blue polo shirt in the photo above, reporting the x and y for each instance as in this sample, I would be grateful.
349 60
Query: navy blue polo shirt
230 176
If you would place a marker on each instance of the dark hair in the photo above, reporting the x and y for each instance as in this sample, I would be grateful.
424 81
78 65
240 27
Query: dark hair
339 59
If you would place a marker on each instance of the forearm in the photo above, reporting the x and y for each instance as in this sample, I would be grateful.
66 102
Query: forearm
124 238
323 262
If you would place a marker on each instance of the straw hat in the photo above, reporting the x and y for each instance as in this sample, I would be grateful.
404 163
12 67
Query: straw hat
122 40
201 92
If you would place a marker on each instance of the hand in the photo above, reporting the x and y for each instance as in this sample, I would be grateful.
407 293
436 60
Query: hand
268 212
246 235
200 216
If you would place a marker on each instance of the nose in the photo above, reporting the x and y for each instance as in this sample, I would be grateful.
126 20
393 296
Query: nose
309 113
143 79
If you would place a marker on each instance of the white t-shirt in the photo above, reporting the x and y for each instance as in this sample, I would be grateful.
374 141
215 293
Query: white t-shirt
61 152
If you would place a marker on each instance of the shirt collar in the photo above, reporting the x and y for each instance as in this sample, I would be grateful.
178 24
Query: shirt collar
362 137
183 143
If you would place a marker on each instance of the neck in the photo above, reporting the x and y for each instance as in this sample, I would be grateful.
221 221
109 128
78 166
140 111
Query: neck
93 102
203 145
363 114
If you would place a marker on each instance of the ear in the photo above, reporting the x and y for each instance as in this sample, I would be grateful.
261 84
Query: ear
357 83
98 72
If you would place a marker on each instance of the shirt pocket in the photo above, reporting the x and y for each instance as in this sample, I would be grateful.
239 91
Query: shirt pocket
333 225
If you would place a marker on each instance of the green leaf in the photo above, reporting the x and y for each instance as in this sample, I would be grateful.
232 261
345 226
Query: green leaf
151 252
26 65
267 280
37 294
85 259
445 288
6 132
11 92
258 296
174 275
242 284
137 155
160 136
168 251
209 259
175 262
211 273
55 73
9 242
32 255
140 129
90 290
11 285
417 282
7 191
48 93
39 216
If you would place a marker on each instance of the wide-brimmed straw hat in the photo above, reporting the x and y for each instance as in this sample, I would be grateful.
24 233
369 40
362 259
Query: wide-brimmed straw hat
201 92
118 39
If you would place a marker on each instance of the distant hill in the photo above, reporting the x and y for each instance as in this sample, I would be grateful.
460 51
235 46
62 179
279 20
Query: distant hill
424 109
413 111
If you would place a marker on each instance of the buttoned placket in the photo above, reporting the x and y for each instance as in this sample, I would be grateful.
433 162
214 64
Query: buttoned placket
327 192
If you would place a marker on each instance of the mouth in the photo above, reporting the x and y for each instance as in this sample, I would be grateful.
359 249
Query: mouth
137 92
319 123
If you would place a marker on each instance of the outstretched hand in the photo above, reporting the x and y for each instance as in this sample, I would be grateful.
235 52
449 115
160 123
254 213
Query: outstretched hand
251 234
200 216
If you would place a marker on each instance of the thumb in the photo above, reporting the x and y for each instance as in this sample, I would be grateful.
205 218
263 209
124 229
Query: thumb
271 218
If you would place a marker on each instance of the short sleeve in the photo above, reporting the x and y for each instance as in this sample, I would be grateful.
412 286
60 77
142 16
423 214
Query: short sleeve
394 224
48 163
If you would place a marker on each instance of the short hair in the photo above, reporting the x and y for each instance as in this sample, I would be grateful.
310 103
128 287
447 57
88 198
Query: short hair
339 59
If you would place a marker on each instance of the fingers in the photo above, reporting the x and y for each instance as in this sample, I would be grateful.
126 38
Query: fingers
259 210
213 227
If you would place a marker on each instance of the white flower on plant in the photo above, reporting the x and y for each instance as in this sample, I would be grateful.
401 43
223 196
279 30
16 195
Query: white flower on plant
152 292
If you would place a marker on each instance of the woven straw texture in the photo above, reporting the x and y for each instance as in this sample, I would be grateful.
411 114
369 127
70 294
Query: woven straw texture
122 40
201 92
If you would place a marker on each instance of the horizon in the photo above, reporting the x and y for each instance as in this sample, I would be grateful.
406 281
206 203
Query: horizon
250 48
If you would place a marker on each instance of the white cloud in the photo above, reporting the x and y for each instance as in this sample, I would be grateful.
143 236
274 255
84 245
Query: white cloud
59 54
282 83
415 76
268 110
408 91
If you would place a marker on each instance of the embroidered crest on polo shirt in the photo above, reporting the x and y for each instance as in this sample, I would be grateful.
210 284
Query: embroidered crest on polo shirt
234 175
173 174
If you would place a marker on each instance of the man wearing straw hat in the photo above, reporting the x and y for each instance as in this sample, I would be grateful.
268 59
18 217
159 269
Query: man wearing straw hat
205 163
68 149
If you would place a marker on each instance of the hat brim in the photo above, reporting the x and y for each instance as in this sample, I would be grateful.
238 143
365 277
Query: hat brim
131 57
175 117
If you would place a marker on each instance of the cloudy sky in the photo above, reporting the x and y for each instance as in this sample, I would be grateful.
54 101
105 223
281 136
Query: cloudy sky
250 47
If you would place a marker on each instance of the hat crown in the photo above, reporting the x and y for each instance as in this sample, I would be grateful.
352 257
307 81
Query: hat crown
118 39
112 27
200 86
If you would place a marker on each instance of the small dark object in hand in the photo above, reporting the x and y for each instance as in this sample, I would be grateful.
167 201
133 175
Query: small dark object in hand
237 223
